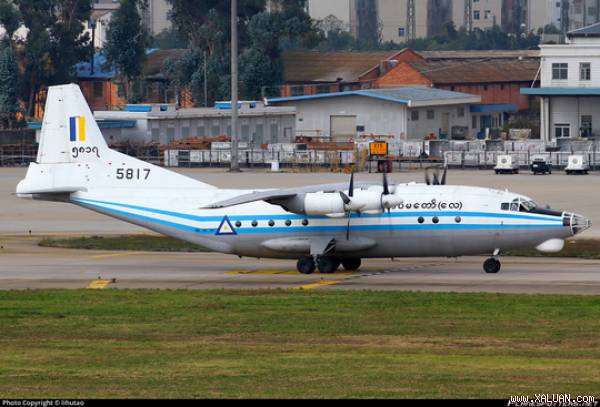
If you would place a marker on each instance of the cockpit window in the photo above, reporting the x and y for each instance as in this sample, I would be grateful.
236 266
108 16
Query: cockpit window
505 206
522 205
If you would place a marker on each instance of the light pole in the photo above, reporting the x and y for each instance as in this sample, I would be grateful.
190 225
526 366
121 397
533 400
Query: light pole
92 25
235 166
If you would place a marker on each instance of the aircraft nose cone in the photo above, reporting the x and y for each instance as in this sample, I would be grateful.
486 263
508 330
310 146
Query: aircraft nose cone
579 223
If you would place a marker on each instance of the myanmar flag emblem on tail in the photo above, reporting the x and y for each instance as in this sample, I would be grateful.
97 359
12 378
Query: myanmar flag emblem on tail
225 228
77 128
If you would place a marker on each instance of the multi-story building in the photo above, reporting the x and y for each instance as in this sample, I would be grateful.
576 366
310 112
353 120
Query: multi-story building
570 86
154 17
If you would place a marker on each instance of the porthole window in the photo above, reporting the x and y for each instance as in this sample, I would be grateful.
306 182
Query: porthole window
421 219
238 224
271 223
254 223
435 219
457 219
288 222
305 222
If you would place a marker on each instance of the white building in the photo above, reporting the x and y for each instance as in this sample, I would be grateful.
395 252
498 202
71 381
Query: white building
570 86
399 113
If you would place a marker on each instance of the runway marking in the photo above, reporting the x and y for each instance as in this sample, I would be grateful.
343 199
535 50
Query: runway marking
98 284
105 256
320 283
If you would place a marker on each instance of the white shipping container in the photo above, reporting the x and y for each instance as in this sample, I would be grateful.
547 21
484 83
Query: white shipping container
195 156
171 158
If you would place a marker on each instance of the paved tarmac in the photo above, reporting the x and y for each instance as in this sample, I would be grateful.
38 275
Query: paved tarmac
24 265
18 216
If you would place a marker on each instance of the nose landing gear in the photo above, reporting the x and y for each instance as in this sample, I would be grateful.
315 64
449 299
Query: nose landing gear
491 265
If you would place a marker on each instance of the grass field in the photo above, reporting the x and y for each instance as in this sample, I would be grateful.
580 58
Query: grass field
148 343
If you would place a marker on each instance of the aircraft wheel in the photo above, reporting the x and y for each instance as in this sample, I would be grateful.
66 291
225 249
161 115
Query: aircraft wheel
327 264
491 265
351 264
306 265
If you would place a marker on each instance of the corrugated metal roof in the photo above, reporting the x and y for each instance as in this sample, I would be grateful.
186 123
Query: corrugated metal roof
480 54
314 66
588 31
549 91
406 96
455 72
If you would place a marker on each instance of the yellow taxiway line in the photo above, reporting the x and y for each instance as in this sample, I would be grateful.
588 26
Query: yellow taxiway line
318 284
105 256
98 284
287 272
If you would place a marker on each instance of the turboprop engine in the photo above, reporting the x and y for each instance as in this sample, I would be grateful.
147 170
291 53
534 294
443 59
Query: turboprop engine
372 200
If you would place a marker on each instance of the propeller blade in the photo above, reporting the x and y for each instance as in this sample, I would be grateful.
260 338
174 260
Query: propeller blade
386 188
436 180
427 179
443 182
351 186
345 198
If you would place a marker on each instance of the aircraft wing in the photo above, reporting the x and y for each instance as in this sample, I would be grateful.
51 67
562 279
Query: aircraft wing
278 194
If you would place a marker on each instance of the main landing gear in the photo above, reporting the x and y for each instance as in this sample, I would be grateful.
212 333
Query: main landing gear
325 264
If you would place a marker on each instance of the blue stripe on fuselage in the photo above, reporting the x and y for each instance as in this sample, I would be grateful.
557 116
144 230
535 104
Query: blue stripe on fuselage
318 229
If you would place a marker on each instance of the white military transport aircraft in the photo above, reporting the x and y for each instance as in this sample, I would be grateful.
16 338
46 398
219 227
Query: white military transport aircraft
321 226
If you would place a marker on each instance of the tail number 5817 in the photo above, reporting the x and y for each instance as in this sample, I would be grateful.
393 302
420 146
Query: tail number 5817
133 173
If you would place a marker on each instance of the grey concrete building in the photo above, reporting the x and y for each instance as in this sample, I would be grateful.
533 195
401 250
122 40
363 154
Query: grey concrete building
165 123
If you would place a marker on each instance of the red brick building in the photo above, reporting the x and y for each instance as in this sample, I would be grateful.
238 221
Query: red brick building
497 82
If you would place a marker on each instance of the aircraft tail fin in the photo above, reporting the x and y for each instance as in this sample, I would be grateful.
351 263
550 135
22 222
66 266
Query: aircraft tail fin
73 155
69 131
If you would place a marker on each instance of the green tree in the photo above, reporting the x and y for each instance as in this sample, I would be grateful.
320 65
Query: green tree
125 46
55 42
9 80
262 36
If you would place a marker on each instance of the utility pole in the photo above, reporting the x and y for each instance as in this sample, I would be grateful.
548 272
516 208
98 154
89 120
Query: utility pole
92 24
235 166
469 15
411 23
205 82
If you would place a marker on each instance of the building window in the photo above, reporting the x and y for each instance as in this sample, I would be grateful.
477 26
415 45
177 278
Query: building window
562 130
401 31
585 71
586 126
461 112
473 122
323 89
430 114
486 14
476 15
560 71
297 90
98 89
414 115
